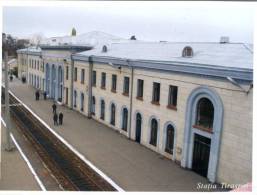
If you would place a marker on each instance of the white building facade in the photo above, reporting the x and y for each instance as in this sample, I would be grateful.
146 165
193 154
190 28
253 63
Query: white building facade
191 102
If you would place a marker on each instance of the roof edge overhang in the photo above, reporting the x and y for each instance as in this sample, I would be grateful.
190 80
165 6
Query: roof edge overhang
77 48
244 75
36 53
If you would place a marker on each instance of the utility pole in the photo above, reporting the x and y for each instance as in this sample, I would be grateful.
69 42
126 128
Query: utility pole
8 146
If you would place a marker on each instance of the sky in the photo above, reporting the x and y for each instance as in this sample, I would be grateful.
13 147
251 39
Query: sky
149 21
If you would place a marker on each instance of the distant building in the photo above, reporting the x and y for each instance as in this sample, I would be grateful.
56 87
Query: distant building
191 102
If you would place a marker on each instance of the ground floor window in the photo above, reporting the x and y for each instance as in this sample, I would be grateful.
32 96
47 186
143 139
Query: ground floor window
125 119
169 139
102 110
112 114
82 102
93 106
75 99
154 131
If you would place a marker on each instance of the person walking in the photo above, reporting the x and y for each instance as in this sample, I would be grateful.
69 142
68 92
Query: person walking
60 118
38 95
55 118
54 108
44 95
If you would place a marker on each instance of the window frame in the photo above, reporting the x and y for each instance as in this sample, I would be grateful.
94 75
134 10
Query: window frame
126 86
114 83
156 93
172 97
103 80
140 89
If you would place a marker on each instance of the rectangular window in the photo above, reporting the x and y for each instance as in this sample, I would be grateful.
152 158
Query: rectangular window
126 86
140 89
37 65
114 82
103 81
172 101
82 76
67 72
75 74
156 93
94 78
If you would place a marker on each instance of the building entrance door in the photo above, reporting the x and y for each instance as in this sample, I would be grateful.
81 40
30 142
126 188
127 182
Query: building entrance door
138 127
201 155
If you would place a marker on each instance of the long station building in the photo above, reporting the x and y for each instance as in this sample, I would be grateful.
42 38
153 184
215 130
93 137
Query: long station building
190 102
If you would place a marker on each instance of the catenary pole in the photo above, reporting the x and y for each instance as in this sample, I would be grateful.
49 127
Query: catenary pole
7 109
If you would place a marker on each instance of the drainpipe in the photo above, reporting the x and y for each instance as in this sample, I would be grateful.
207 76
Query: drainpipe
71 84
131 98
90 72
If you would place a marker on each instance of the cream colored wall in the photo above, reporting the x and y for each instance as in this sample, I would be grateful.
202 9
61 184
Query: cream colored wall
234 164
33 70
22 64
236 141
118 98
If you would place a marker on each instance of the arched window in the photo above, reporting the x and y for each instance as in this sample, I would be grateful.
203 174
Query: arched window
102 109
169 139
104 49
113 114
93 106
205 114
187 52
82 102
75 98
125 119
154 129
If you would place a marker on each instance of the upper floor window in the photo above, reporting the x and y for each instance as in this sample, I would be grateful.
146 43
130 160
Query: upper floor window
172 100
103 80
156 93
67 72
82 76
126 86
75 74
94 79
114 82
204 114
140 89
187 52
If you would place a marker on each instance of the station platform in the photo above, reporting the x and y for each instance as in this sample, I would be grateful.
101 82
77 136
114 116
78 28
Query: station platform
15 173
130 165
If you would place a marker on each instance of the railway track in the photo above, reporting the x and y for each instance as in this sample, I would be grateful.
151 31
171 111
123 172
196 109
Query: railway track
70 171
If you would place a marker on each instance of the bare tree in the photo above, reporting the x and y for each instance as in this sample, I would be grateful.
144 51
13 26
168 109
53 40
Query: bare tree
36 39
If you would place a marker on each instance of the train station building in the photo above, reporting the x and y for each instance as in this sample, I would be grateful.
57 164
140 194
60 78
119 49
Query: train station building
190 102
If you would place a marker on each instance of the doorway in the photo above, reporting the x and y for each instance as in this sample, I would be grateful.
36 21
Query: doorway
138 127
201 154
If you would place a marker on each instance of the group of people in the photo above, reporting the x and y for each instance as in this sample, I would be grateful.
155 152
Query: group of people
37 95
58 118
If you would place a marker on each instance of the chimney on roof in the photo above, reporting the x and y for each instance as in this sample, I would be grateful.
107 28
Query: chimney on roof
133 37
73 32
224 39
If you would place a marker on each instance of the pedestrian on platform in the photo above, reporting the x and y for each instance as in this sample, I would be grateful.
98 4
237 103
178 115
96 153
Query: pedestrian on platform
37 95
44 95
54 108
60 118
55 119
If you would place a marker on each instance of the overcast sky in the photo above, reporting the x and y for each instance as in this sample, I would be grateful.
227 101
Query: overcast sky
147 20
